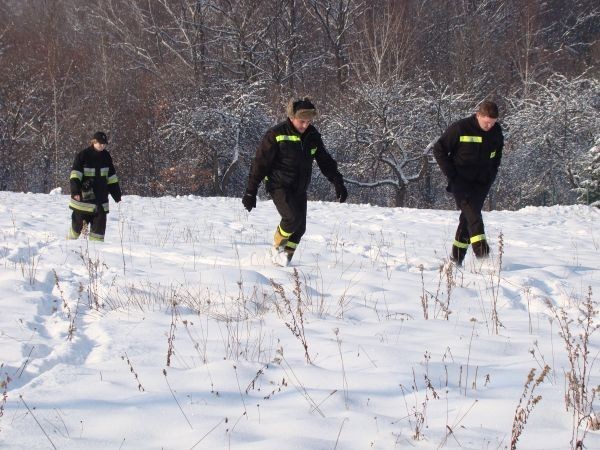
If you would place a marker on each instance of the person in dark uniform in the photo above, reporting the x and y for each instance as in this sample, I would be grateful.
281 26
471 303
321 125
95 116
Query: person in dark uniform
284 160
469 154
93 177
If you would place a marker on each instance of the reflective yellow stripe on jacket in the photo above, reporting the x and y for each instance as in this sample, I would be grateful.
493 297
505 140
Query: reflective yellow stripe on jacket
475 139
82 206
283 137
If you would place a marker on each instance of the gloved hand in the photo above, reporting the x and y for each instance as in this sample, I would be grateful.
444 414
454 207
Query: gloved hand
249 200
341 192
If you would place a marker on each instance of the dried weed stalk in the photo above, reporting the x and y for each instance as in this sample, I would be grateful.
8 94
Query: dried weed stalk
4 386
526 404
125 358
496 286
295 315
579 397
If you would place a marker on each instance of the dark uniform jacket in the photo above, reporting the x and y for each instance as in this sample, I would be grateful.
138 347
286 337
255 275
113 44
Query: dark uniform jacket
467 154
93 177
285 159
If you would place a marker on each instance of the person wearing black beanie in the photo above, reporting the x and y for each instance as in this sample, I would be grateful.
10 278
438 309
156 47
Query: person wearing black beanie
93 178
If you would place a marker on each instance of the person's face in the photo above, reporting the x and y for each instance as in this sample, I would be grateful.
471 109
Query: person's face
485 123
98 146
300 124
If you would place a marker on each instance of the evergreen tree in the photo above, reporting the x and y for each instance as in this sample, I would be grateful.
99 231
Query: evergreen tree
589 184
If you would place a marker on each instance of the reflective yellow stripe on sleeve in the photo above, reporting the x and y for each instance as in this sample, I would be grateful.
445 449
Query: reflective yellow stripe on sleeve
76 174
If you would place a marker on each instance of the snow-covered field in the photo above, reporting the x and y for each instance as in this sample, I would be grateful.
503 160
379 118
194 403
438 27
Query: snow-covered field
178 333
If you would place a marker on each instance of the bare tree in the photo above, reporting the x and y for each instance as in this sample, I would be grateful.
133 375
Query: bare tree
214 137
336 19
392 127
172 81
549 132
386 46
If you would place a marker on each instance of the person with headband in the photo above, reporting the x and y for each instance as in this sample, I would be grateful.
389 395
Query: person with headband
284 160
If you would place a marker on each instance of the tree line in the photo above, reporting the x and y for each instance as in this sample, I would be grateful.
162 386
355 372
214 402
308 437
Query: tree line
186 88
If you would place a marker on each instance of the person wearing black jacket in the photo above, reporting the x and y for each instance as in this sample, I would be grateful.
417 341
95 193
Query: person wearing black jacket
93 177
469 154
284 160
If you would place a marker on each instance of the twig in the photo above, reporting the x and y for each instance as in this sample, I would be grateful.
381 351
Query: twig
36 421
208 432
175 398
340 432
240 389
344 379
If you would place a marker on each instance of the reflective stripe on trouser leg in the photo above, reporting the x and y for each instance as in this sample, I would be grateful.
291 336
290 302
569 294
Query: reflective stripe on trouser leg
291 206
471 220
72 234
98 226
459 251
289 249
480 246
461 240
459 244
77 221
280 239
479 237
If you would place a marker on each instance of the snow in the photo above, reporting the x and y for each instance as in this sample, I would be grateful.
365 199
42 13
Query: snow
171 334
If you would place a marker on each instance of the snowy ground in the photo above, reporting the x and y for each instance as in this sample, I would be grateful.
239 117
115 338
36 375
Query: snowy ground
178 333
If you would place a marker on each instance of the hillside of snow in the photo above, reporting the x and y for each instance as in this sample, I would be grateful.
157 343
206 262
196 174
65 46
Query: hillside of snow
178 333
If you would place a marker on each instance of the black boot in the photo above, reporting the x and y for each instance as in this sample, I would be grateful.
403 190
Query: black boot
481 249
459 250
289 253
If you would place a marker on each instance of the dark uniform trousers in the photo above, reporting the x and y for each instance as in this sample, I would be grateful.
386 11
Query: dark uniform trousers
292 208
97 222
470 199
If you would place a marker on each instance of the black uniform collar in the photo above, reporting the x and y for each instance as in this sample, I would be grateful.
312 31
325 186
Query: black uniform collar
308 131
